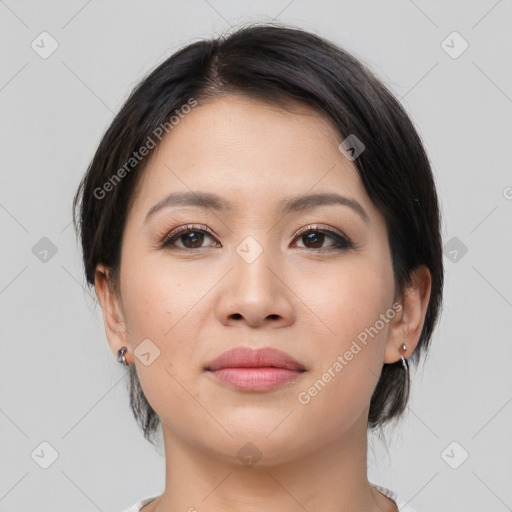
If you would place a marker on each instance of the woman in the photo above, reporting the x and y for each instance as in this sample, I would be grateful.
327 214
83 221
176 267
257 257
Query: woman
261 226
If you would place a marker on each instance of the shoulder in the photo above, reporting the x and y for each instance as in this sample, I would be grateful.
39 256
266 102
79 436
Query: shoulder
402 505
137 506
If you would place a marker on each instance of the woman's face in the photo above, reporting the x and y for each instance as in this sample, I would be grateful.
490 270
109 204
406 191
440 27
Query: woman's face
253 273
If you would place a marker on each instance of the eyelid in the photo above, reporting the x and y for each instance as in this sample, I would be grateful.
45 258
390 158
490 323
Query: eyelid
321 227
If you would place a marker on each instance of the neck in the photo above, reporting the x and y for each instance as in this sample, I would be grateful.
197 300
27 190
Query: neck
331 478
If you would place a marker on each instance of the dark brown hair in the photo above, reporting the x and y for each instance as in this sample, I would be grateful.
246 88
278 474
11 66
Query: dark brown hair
275 63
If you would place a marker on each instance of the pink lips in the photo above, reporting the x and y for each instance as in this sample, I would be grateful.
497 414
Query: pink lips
255 370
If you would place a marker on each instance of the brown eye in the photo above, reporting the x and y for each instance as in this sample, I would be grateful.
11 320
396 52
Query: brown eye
188 236
192 240
314 238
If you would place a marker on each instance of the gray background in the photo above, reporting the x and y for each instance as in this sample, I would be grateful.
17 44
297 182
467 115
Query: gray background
59 382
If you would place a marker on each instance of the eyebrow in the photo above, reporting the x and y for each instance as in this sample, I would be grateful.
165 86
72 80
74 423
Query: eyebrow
287 205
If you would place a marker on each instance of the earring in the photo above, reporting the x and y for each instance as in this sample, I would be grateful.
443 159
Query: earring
405 364
120 355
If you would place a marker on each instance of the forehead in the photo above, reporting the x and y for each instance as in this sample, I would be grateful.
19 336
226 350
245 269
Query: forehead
252 153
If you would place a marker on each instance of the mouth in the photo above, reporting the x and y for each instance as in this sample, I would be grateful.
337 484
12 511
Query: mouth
255 370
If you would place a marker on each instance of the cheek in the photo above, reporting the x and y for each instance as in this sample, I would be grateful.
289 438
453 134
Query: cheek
349 356
351 300
159 306
156 296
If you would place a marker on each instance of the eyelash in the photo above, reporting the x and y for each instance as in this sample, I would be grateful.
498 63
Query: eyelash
343 242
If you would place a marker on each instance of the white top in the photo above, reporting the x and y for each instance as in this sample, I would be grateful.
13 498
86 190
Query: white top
400 503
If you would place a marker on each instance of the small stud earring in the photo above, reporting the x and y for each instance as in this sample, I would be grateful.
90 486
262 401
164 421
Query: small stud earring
121 355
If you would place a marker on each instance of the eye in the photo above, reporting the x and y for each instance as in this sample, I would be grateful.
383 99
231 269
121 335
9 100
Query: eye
190 236
313 238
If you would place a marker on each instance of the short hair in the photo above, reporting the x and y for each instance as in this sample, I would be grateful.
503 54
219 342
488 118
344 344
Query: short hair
275 63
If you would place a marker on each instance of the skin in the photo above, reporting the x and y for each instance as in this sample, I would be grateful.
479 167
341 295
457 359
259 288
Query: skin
306 298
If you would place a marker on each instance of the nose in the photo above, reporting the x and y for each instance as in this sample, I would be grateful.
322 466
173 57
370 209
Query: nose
255 291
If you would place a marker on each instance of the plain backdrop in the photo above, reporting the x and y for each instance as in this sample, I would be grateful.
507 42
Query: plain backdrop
68 440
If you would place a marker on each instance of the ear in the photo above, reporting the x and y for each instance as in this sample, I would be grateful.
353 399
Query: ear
408 323
113 317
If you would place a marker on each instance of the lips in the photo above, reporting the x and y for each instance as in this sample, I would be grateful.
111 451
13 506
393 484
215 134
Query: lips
249 370
245 357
